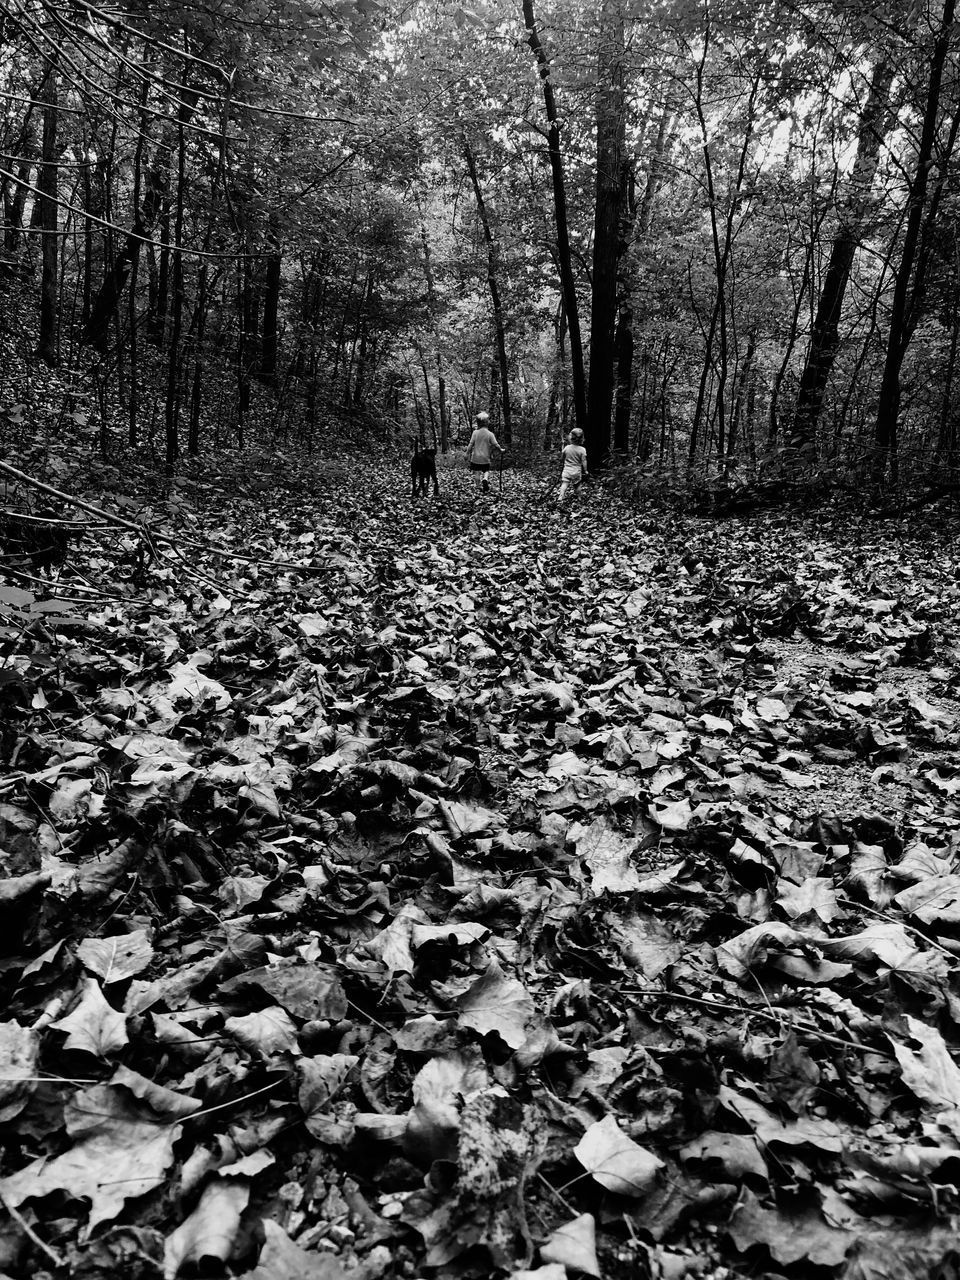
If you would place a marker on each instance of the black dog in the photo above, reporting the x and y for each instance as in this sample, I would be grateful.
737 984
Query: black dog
423 469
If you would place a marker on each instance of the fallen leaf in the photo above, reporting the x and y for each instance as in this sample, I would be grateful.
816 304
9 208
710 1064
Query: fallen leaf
121 1153
265 1032
118 957
282 1259
607 854
209 1233
93 1025
574 1245
19 1050
790 1237
615 1160
931 1072
440 1089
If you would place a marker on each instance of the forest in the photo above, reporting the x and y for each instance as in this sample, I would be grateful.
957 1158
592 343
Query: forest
720 238
454 882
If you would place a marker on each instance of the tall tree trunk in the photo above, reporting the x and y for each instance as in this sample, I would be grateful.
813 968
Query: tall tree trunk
898 337
124 265
611 188
947 435
160 293
494 286
825 336
624 347
568 286
20 162
722 251
434 311
246 334
196 390
48 183
172 413
271 308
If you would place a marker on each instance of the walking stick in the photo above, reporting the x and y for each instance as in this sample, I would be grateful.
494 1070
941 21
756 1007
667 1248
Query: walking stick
501 473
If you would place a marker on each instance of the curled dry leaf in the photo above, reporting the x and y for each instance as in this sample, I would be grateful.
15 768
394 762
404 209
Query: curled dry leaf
440 1089
211 1230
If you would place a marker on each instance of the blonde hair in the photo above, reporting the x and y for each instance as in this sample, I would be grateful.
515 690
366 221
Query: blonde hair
576 434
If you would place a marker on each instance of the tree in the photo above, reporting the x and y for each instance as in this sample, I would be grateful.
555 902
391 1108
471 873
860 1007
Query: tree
49 222
568 285
825 336
611 190
909 279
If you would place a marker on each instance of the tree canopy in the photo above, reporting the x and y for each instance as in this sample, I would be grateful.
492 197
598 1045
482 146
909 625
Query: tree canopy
721 237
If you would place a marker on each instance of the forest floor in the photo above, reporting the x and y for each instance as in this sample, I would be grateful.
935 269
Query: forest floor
464 887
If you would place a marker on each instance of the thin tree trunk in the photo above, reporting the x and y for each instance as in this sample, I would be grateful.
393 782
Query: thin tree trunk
611 188
271 308
48 183
564 258
825 336
494 286
888 411
172 409
432 301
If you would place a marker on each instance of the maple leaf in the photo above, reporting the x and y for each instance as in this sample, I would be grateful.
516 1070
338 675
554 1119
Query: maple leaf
931 1072
120 1153
93 1025
497 1003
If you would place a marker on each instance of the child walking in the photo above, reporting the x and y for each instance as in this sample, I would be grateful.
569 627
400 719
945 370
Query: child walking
479 451
574 463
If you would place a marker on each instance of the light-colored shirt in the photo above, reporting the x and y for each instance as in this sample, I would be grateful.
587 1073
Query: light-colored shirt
574 461
481 443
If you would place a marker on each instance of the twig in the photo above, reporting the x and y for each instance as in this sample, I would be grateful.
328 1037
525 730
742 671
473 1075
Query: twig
887 919
770 1014
6 469
363 1014
142 530
234 1102
554 1192
29 1231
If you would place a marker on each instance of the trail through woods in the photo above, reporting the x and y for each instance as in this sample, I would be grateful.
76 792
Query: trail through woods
465 888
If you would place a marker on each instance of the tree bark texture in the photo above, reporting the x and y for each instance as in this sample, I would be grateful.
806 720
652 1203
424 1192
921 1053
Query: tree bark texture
494 286
47 183
568 286
825 336
898 337
611 187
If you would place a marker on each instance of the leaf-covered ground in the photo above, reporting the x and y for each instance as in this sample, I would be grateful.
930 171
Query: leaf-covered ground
468 888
